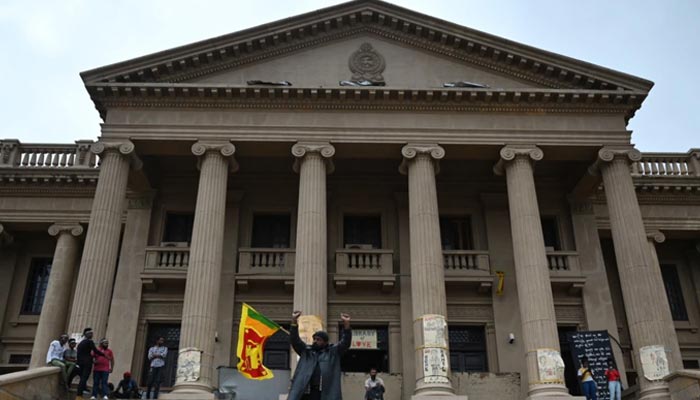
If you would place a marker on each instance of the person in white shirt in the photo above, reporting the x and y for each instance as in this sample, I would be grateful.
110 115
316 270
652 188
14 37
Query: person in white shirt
54 356
374 386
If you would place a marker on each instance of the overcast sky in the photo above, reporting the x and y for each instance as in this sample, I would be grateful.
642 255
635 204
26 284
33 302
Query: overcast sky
45 44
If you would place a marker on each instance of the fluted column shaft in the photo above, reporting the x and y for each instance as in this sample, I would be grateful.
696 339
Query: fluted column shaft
641 288
311 270
531 269
98 263
200 306
52 321
675 360
427 270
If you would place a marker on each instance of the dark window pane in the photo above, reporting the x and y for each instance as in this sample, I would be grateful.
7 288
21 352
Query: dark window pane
271 231
20 358
38 281
171 334
691 364
276 351
468 349
674 293
362 230
456 233
178 227
550 232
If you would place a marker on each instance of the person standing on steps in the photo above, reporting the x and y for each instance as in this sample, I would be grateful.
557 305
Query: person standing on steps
86 348
156 355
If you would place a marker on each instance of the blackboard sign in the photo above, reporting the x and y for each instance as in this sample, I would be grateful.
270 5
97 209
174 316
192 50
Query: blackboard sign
596 346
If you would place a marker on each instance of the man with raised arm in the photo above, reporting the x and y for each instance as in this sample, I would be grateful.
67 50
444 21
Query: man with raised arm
317 376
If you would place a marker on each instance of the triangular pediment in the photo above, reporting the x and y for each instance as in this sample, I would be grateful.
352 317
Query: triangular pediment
394 64
313 49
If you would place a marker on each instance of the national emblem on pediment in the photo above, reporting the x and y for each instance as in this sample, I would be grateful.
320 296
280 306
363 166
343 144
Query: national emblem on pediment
366 64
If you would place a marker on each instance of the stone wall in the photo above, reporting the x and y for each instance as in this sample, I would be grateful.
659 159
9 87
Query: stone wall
37 384
487 386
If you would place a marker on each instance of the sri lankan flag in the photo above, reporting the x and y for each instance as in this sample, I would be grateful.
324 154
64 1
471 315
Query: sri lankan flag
253 332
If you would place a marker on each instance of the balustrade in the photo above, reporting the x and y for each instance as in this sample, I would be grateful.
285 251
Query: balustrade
364 262
563 263
466 262
15 154
654 165
167 258
266 261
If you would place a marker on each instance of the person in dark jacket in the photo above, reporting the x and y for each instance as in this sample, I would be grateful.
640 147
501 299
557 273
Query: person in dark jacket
86 348
317 376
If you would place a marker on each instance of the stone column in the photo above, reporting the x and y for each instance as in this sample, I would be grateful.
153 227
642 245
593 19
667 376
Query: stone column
675 360
200 305
427 269
641 291
97 266
54 312
597 298
531 269
313 162
126 300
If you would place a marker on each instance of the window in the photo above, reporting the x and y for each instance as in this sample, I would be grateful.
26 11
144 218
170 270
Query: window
39 271
468 349
674 293
271 231
362 231
456 233
276 351
20 358
550 231
178 227
361 360
691 364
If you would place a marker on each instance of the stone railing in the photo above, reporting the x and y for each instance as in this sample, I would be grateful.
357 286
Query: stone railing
14 154
653 165
264 261
466 262
563 263
39 383
364 262
167 258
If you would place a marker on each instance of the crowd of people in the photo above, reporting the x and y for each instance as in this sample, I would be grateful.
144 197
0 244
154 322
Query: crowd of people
80 359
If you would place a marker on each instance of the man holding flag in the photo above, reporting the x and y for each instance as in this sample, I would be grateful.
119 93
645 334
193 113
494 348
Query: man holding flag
317 376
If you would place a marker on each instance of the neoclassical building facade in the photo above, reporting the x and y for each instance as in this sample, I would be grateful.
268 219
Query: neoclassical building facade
468 200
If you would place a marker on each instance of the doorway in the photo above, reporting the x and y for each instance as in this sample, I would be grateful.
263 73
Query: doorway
171 333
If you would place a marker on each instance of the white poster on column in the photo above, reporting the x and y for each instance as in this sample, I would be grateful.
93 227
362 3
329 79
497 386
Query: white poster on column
434 331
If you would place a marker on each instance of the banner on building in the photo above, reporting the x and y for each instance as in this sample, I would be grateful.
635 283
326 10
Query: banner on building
654 362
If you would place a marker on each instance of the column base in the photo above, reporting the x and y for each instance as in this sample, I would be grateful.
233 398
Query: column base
440 395
549 392
655 391
187 394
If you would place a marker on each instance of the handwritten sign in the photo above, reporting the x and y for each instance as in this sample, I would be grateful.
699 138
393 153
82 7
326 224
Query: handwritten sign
435 365
434 331
550 366
364 339
595 345
654 362
189 362
308 325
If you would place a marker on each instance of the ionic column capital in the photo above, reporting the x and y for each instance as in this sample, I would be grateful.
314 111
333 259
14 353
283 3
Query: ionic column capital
413 150
124 148
655 236
74 229
225 149
609 153
510 153
324 149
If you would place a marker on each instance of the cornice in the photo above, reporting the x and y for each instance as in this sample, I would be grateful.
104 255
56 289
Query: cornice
153 95
24 176
382 19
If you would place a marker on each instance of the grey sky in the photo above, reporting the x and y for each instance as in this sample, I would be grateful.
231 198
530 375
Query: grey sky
44 44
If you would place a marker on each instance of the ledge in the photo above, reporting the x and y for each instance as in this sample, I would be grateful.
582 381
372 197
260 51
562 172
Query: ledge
342 281
20 376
